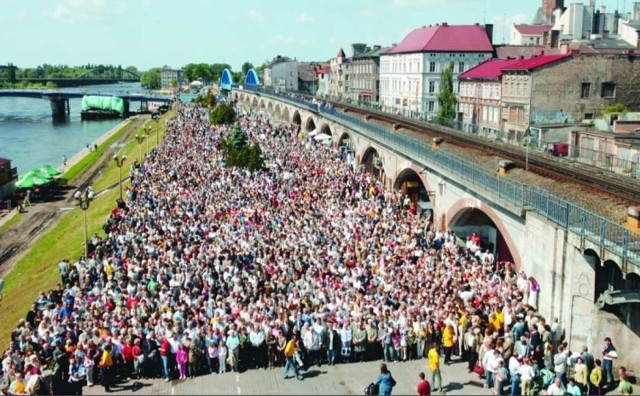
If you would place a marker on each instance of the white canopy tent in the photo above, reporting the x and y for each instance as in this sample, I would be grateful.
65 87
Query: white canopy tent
322 136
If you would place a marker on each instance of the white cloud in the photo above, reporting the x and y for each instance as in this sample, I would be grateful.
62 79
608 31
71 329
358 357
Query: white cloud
75 11
256 16
21 15
305 19
288 40
424 3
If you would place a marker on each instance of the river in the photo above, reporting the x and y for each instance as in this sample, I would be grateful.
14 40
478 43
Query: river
30 138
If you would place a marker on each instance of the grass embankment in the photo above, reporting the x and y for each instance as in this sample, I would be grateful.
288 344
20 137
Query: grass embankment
38 269
14 220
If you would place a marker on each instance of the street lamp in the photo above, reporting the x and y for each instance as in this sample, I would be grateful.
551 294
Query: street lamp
119 160
139 138
83 202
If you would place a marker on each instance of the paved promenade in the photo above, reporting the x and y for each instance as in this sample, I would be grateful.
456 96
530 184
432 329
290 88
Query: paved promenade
342 379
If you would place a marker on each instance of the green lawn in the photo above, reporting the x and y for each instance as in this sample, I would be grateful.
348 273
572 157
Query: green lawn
14 220
38 269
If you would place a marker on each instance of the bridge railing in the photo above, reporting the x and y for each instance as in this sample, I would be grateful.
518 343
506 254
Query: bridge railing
592 227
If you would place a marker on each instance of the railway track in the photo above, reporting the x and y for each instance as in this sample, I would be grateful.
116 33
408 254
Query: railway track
622 188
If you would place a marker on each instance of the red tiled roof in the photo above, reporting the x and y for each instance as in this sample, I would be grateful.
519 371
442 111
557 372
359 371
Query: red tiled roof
527 51
445 38
535 62
491 69
533 30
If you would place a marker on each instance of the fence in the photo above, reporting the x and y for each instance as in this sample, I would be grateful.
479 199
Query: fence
589 226
606 161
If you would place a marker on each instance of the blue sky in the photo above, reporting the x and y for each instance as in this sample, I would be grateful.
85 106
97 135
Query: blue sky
148 33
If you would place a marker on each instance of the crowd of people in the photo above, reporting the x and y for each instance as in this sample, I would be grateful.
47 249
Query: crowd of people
210 269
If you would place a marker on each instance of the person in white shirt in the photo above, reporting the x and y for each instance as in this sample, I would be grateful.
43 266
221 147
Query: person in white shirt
556 388
526 376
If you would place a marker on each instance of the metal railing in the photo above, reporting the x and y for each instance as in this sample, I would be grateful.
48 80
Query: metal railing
589 226
606 161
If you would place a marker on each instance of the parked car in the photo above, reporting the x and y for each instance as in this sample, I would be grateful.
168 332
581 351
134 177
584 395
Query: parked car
560 149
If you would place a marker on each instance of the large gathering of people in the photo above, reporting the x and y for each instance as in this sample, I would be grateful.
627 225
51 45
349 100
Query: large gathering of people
207 269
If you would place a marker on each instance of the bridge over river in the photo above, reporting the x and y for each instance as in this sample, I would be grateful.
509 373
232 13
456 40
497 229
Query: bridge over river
60 98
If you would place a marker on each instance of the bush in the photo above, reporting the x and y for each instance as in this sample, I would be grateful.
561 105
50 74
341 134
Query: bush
238 154
224 114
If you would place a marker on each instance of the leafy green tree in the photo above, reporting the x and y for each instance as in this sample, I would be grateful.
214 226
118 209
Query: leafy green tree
132 69
246 66
150 79
615 108
238 77
446 97
238 138
222 114
216 70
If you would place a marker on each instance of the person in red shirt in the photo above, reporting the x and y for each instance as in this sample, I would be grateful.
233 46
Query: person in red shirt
127 355
423 386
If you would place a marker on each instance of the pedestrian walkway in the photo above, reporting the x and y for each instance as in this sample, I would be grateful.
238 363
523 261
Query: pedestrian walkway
343 379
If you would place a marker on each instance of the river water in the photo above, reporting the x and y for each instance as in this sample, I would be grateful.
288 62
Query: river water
30 138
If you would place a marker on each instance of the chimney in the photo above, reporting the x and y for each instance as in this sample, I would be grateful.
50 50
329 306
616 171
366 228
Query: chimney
445 24
489 29
521 57
542 53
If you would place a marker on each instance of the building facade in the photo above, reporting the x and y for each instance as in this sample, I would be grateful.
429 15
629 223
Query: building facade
168 75
281 74
528 34
307 79
339 77
365 73
480 96
323 73
410 71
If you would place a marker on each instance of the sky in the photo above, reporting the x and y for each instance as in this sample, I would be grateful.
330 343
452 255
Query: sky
152 33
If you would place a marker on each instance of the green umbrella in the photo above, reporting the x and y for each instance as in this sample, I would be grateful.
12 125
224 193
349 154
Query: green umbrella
49 170
41 174
31 179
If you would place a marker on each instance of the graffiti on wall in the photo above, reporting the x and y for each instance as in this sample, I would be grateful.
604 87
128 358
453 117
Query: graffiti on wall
551 117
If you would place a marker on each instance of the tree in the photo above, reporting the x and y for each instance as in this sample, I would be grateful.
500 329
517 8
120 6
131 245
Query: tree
446 97
615 108
150 79
238 77
222 114
132 69
216 70
238 138
246 66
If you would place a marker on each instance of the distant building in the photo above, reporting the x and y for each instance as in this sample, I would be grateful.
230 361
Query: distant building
364 73
339 77
307 79
281 73
410 71
528 34
167 75
323 73
524 51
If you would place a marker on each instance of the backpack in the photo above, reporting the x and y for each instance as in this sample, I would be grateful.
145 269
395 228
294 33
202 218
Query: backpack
372 389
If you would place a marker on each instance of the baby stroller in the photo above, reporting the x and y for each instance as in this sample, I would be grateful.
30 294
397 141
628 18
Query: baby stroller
371 389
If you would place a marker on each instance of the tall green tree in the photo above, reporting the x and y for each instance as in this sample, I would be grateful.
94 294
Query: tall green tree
150 79
216 70
446 97
246 66
222 114
238 138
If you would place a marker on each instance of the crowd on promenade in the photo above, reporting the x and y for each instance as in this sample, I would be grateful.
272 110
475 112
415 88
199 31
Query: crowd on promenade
210 269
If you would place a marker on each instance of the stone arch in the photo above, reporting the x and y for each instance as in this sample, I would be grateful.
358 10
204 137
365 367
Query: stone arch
296 119
262 105
277 113
286 116
326 129
372 162
346 141
309 125
415 185
465 219
254 102
270 107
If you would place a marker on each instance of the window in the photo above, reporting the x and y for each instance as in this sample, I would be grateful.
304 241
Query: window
460 67
585 90
432 67
588 116
431 106
432 86
608 90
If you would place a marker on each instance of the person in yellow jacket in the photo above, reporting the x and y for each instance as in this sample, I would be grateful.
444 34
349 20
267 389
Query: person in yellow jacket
596 378
433 363
448 342
289 353
106 364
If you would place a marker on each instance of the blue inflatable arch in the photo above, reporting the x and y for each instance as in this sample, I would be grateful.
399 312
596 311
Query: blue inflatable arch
226 80
251 78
